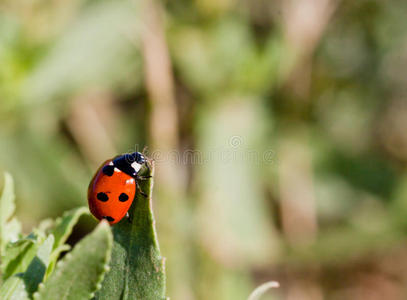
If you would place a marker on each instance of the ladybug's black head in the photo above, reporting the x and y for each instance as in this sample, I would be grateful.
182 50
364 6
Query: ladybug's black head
129 163
135 157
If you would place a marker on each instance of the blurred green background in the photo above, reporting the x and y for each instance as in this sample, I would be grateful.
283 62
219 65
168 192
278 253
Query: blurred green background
278 130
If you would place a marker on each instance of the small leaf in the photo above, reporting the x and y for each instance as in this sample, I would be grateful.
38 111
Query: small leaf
54 258
61 231
64 225
21 286
14 288
45 225
78 275
36 270
7 207
19 255
137 268
12 230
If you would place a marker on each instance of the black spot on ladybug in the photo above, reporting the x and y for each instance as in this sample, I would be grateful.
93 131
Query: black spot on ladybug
123 197
108 170
109 218
102 197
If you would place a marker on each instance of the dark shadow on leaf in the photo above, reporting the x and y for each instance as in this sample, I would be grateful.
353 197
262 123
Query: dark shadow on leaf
34 275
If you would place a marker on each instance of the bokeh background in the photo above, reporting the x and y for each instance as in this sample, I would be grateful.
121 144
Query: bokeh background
278 129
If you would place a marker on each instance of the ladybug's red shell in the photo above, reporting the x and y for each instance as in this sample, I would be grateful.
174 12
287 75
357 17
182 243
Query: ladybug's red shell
111 194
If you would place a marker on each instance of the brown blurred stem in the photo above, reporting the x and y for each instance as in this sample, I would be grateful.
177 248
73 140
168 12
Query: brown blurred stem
164 137
303 25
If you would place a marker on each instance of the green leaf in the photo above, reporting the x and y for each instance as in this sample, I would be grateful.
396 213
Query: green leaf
12 230
78 275
232 225
36 270
137 268
23 285
19 255
7 207
54 257
64 225
13 288
62 230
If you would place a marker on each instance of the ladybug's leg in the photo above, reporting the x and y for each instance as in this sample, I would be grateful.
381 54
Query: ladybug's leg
143 177
139 177
140 191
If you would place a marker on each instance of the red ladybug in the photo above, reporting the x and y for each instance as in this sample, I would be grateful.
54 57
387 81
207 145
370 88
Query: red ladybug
113 188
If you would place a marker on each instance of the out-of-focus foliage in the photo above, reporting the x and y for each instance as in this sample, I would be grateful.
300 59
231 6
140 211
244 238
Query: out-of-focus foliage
290 130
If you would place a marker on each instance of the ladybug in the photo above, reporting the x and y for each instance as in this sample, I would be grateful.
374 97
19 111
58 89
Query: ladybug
113 188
